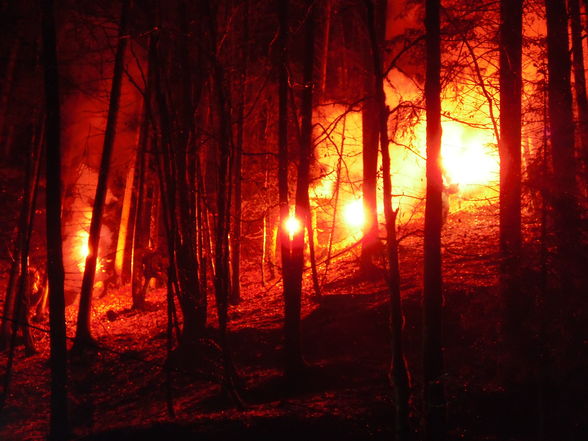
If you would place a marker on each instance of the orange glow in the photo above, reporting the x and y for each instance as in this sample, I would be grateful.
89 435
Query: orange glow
292 226
467 157
82 251
354 214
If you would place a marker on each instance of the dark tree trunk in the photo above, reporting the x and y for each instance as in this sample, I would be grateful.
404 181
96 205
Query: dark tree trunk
141 228
18 308
83 334
293 301
222 280
182 269
143 199
237 164
563 306
434 397
370 135
510 163
398 370
580 83
292 345
59 427
564 193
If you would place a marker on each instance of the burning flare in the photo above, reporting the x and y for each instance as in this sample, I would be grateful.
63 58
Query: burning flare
354 214
292 226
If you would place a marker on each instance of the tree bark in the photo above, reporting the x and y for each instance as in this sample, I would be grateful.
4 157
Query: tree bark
370 135
510 163
434 397
580 84
398 370
237 165
83 333
59 425
564 197
292 287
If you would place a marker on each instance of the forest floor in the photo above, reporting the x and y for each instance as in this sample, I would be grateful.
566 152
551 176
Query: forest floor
119 391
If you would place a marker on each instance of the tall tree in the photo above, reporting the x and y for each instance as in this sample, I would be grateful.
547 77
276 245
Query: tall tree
434 397
561 121
398 370
237 164
511 28
370 131
58 428
580 83
83 334
293 303
292 288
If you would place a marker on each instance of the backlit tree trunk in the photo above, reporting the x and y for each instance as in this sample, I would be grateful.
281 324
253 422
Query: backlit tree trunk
58 428
83 334
564 192
237 164
292 288
580 83
434 397
370 172
398 370
510 162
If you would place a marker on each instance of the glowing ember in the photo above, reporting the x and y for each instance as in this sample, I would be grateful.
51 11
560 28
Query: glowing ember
354 214
292 226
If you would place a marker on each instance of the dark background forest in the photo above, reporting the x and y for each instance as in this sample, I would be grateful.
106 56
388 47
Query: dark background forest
293 219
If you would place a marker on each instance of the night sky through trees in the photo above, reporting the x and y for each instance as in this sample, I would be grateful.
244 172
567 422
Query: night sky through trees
293 219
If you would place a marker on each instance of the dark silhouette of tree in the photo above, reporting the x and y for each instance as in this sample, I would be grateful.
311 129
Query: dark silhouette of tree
564 302
19 287
398 370
293 302
143 195
293 355
83 333
433 370
59 426
561 123
370 137
238 160
510 162
579 84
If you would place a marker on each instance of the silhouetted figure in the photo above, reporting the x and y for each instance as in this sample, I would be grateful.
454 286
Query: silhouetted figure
448 190
154 266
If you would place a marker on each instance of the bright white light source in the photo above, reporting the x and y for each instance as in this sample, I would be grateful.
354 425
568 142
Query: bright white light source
292 226
467 159
354 214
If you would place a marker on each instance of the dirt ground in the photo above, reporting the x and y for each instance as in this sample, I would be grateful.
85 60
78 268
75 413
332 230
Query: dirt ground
120 391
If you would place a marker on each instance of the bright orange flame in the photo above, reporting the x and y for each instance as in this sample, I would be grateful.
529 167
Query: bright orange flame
292 226
354 214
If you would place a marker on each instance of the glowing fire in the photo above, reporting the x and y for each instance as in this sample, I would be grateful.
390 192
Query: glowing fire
82 251
292 226
354 214
467 157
